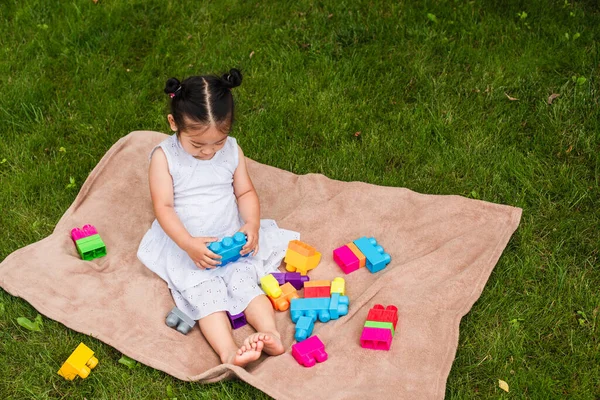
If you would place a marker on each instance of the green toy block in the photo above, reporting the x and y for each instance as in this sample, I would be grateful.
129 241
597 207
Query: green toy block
376 324
91 247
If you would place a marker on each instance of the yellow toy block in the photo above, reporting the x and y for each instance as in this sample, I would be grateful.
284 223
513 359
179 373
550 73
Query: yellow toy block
80 362
362 260
270 286
301 257
338 286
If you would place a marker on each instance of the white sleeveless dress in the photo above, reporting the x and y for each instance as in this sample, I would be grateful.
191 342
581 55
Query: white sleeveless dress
205 202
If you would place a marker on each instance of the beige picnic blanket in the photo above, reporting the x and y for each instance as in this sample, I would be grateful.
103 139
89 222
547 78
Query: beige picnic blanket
443 250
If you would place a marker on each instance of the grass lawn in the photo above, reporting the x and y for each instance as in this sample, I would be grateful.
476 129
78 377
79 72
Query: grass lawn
442 97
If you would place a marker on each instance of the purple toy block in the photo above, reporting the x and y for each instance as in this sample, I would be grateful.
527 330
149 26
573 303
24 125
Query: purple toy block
87 230
237 320
296 279
279 277
309 351
376 338
321 307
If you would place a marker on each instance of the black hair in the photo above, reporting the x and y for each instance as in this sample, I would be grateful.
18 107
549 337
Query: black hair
206 99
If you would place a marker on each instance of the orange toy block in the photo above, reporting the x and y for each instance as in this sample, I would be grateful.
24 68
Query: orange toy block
317 283
301 257
288 292
361 257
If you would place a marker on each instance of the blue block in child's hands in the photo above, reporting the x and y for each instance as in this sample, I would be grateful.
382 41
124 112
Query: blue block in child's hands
229 248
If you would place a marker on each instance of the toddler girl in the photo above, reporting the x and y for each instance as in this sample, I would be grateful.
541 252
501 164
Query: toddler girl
201 192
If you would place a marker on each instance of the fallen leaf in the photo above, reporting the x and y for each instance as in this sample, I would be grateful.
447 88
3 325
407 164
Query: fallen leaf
329 16
510 98
503 385
62 150
432 17
357 134
251 54
128 362
552 97
27 324
570 149
95 1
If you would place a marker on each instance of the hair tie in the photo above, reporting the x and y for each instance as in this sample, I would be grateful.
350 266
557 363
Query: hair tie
175 92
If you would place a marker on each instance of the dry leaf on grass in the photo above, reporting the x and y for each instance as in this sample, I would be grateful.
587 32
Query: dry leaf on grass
510 98
503 385
251 54
552 97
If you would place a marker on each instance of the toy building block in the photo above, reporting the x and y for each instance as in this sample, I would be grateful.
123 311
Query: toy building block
325 308
295 278
338 286
381 325
80 363
376 258
309 351
179 321
237 320
317 289
229 248
282 303
301 257
269 285
376 338
88 242
304 328
362 260
380 314
346 259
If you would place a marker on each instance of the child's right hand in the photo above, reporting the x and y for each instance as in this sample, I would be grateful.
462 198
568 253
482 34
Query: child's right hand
197 249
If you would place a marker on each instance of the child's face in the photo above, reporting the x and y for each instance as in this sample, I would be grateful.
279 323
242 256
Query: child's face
201 141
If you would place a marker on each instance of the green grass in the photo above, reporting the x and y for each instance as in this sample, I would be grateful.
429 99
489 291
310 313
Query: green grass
430 100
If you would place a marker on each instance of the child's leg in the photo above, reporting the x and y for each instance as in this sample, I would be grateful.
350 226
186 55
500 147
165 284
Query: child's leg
217 330
261 316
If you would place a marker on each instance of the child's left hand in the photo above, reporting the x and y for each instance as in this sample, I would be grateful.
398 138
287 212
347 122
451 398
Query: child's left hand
251 232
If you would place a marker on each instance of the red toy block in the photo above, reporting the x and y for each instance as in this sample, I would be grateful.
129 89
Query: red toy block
381 314
317 291
346 259
376 338
309 351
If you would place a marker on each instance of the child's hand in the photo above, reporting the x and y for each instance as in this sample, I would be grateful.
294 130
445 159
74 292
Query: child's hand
197 249
251 232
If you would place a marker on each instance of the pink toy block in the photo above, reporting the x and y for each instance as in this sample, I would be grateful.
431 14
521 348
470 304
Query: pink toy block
309 351
87 230
380 314
346 259
376 338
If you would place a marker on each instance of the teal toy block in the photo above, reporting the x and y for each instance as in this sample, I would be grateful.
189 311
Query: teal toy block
304 328
229 248
324 308
376 258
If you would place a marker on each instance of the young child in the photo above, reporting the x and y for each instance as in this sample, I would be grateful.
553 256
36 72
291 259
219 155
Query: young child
201 192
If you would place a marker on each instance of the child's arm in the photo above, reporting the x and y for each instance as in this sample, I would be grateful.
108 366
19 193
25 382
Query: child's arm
247 203
161 191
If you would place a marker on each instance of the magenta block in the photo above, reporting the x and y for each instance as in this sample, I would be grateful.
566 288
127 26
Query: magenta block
309 351
376 338
346 259
87 230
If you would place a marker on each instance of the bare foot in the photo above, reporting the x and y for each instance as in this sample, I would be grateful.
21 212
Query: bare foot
272 343
246 354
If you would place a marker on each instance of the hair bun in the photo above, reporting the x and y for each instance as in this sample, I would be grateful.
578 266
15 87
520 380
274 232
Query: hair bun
233 78
172 85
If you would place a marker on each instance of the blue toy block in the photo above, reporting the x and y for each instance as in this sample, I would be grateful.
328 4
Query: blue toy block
229 248
376 258
304 328
320 307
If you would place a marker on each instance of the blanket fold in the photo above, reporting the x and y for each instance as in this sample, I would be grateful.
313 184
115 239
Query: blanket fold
443 251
